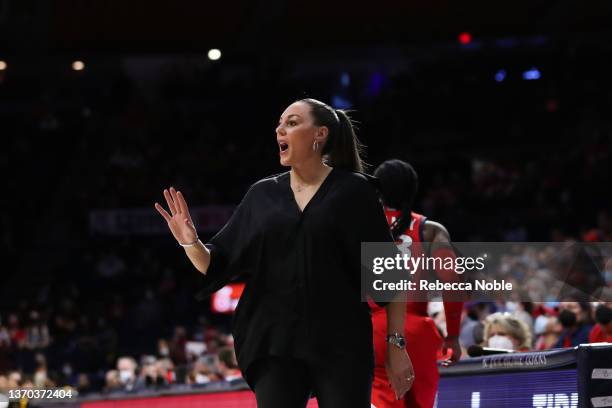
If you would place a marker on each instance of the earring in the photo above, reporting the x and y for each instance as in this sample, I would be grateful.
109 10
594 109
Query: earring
315 146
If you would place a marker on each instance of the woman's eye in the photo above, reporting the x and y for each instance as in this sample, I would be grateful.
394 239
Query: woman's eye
292 123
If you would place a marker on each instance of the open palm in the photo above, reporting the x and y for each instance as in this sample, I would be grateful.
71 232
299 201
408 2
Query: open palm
179 220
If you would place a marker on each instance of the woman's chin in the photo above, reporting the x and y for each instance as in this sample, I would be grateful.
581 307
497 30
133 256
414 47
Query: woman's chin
284 161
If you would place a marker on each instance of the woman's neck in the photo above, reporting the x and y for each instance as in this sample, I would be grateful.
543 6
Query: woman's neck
309 173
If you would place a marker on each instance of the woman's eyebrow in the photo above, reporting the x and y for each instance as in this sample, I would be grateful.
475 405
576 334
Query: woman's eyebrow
293 114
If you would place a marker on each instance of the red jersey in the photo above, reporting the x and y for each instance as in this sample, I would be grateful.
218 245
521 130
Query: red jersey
408 241
415 231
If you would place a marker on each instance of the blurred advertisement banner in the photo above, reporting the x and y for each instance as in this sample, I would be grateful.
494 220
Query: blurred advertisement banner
226 299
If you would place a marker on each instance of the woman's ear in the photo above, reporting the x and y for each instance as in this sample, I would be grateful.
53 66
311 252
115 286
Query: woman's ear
321 135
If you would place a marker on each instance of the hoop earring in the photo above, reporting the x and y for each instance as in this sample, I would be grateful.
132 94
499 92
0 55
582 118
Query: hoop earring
315 146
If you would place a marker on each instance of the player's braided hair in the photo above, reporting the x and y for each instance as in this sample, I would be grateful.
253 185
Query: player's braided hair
398 186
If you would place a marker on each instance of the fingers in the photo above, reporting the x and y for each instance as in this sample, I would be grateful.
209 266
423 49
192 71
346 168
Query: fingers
170 201
401 390
182 203
401 385
163 212
455 357
175 198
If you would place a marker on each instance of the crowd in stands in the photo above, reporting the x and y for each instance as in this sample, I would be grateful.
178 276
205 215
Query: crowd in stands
527 326
107 313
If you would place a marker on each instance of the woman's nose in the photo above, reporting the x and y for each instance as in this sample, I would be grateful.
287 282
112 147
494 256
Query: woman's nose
280 130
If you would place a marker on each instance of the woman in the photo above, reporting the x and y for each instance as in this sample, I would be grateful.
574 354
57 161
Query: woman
505 331
296 236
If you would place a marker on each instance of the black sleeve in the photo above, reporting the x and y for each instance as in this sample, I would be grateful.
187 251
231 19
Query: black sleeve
367 223
374 226
229 249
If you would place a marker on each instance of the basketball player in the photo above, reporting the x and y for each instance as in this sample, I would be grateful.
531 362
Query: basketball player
398 186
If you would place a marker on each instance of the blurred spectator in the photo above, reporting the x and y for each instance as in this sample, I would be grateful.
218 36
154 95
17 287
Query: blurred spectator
112 381
166 369
575 317
150 374
547 330
15 379
203 372
5 338
40 378
65 320
522 311
602 330
126 366
37 332
228 366
505 331
3 383
603 231
474 314
178 354
5 348
16 332
163 348
83 384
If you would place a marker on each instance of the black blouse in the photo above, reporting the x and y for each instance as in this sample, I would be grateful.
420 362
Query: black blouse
302 268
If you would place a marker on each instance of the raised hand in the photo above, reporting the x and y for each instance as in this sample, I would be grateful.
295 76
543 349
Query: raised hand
179 220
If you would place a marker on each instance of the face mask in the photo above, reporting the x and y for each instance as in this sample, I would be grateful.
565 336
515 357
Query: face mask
567 318
539 326
164 351
511 307
201 379
40 378
125 376
501 342
603 315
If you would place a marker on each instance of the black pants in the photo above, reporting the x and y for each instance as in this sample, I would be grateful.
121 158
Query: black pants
282 382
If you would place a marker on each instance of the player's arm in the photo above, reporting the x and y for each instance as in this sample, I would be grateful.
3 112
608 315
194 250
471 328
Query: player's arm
436 234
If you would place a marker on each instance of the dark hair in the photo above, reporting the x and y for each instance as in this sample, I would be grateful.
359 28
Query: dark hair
583 301
342 148
398 185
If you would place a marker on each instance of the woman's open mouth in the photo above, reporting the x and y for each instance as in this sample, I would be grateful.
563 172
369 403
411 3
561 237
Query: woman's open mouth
283 147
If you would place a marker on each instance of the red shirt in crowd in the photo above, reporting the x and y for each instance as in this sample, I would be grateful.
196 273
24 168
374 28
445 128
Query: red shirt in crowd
597 335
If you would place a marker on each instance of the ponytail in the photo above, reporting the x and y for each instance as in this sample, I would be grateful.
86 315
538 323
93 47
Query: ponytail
342 148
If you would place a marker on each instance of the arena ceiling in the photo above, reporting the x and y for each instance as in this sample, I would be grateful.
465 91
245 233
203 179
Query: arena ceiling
192 25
